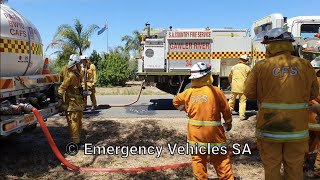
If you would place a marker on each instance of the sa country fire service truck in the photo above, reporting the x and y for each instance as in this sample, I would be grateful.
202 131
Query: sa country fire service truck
21 79
168 54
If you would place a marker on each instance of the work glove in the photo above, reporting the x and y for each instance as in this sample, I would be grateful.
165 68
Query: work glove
86 93
182 108
227 126
60 95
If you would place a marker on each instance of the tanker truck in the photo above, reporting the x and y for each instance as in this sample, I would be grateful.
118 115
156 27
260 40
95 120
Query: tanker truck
22 81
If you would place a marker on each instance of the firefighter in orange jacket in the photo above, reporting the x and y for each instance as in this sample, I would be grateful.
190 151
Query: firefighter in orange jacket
237 76
203 104
72 94
283 85
314 126
90 78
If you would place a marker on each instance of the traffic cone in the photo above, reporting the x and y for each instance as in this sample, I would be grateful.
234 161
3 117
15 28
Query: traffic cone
45 69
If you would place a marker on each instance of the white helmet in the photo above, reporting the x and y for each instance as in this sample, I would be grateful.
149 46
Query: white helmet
73 56
86 57
244 57
74 60
199 70
316 63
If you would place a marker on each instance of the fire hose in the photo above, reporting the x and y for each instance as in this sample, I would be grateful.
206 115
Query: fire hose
107 106
58 154
73 167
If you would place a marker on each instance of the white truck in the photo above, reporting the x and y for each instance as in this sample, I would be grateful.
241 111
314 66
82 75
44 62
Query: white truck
21 79
305 29
168 54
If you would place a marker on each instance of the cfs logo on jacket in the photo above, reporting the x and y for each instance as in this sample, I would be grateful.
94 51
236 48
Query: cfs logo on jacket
199 98
286 70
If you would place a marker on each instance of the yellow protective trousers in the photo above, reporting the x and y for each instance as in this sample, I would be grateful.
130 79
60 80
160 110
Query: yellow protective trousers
242 103
221 163
290 154
74 119
92 98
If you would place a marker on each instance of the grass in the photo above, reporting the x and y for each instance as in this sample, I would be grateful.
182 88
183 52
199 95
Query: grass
29 156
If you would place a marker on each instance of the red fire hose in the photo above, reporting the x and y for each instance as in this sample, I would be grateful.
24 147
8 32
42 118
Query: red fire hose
56 151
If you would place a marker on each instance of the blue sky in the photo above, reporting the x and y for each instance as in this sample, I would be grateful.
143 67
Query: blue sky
126 16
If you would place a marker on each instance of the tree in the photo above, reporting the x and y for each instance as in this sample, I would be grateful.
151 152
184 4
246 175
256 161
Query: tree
132 43
95 58
114 68
62 59
74 37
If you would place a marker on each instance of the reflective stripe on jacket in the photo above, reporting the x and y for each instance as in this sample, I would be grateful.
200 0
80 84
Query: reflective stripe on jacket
204 105
237 76
72 90
91 73
314 124
283 85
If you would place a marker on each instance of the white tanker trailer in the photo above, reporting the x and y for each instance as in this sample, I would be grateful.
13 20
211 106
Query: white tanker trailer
21 79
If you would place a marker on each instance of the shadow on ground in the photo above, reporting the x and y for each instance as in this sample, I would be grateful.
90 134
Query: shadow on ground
29 155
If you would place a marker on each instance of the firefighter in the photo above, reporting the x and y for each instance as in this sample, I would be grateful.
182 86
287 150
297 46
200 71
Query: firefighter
63 73
283 85
237 76
90 78
314 126
203 103
72 94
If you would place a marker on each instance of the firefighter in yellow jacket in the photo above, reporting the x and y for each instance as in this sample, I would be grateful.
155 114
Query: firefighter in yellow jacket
237 76
314 126
72 94
283 85
203 103
63 73
90 78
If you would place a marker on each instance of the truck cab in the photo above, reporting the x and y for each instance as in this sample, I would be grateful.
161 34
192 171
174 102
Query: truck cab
305 30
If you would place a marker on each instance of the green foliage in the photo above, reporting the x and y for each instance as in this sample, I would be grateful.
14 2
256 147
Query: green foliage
62 60
95 58
73 37
133 69
113 69
132 43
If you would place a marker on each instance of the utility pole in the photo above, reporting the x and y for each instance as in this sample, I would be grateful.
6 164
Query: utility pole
107 37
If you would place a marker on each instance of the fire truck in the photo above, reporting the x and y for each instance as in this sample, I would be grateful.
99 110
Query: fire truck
305 29
168 54
21 80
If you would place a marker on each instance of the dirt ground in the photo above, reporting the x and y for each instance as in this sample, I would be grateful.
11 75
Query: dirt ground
30 157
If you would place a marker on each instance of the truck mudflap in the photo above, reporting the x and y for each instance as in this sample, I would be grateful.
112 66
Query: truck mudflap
17 123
